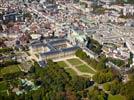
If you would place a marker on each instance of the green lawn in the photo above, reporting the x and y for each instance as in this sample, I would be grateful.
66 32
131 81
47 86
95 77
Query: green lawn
10 69
65 66
3 86
74 61
116 97
62 64
84 68
71 72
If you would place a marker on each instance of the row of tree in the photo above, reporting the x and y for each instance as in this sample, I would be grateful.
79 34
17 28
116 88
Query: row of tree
97 94
99 65
102 77
93 44
4 50
6 63
117 87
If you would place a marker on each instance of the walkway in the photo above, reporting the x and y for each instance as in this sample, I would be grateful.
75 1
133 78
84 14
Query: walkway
76 70
79 73
86 64
63 58
70 57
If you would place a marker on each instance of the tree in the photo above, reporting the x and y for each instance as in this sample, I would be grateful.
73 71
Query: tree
32 69
79 53
96 94
117 62
54 82
3 50
128 90
98 77
79 83
109 76
115 87
104 76
8 62
107 86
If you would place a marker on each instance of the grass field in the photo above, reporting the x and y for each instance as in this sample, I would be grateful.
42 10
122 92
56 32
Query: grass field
116 97
84 68
78 64
3 86
67 69
62 64
10 69
71 72
74 61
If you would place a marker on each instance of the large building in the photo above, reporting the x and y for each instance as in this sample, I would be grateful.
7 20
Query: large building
12 16
107 2
52 49
58 48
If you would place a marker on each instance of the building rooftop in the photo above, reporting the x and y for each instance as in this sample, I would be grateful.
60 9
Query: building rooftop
57 41
70 49
42 63
50 53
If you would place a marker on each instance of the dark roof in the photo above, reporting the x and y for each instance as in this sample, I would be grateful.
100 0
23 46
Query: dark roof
50 6
11 14
57 41
51 47
50 53
42 63
37 44
59 51
70 49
